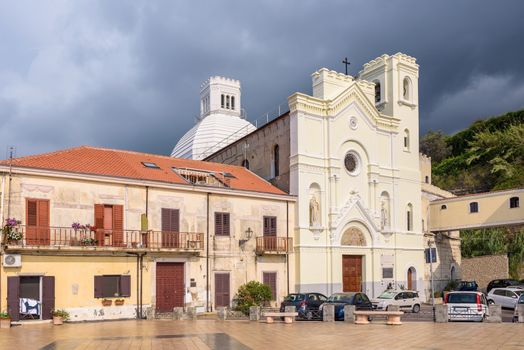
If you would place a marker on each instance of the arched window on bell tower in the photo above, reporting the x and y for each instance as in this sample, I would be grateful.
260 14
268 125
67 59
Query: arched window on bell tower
406 140
378 92
406 89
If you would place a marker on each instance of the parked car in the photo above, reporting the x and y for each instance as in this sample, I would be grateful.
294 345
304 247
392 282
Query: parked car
515 313
360 300
306 304
407 300
502 283
505 297
466 306
467 286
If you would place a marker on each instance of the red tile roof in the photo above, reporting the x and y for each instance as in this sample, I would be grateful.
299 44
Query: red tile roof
127 164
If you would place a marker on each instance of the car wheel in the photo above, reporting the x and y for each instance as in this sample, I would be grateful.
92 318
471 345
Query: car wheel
416 308
491 302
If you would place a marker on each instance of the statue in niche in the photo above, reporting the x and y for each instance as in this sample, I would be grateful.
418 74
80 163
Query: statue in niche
314 212
384 215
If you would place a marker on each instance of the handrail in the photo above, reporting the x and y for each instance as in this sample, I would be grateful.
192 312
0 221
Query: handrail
273 244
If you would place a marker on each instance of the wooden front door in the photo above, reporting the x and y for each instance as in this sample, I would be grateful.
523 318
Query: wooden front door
352 273
270 233
37 222
169 286
222 297
411 278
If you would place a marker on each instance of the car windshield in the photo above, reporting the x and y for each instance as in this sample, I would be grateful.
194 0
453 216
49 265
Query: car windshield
462 298
294 297
387 295
340 297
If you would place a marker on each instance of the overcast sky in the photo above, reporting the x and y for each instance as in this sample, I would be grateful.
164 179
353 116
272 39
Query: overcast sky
126 74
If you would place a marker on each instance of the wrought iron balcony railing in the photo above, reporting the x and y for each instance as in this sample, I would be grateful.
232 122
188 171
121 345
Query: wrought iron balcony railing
33 236
273 245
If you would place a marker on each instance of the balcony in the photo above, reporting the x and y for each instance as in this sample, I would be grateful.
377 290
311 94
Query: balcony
67 238
273 245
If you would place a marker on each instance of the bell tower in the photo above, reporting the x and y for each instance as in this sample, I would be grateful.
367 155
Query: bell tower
220 95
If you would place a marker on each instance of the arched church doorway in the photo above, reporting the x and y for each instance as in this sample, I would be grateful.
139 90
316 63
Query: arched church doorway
412 278
352 264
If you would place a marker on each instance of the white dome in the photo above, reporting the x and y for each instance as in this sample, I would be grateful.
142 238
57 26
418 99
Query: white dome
211 134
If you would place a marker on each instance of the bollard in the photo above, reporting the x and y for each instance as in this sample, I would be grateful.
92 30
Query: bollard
254 313
441 313
291 308
178 313
191 313
222 313
328 313
520 313
495 314
349 315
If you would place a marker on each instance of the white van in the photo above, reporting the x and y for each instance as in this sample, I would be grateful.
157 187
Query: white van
466 306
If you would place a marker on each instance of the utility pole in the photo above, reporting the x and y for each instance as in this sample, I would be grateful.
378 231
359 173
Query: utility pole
431 277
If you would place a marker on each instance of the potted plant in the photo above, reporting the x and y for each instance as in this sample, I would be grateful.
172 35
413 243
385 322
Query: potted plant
5 320
119 302
88 241
107 302
11 231
59 316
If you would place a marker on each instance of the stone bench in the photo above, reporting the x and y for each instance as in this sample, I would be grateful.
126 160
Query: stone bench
288 316
393 317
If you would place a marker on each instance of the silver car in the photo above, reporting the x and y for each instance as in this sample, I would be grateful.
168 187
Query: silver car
406 300
515 313
505 297
466 306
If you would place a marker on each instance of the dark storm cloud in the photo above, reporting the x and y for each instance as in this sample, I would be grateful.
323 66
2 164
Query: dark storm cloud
127 74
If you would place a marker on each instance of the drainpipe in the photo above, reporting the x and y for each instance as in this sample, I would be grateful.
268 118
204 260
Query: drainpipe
207 252
137 287
141 280
287 244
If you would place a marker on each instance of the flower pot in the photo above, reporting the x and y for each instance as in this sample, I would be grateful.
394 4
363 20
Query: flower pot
107 302
5 323
57 320
119 302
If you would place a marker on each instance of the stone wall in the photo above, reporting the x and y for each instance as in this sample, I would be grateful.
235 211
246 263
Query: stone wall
483 269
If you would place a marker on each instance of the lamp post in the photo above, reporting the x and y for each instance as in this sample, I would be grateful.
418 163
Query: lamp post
431 278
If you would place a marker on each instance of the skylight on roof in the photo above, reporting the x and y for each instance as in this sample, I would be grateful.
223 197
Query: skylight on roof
150 165
229 175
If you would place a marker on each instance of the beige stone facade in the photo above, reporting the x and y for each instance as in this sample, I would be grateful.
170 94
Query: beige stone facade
484 269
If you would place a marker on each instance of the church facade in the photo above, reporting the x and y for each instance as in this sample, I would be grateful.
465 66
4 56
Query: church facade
349 152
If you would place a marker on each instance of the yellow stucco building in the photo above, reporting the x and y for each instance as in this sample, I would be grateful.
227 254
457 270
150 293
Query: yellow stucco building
99 226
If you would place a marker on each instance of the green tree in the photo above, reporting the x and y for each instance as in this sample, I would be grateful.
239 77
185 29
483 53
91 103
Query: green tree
434 144
250 294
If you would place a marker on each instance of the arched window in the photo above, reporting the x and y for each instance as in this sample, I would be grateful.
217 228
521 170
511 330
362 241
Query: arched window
514 202
427 179
245 163
409 217
222 98
233 102
227 101
406 87
276 160
406 140
378 94
443 207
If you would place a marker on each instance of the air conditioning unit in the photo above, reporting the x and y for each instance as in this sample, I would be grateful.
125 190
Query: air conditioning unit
12 260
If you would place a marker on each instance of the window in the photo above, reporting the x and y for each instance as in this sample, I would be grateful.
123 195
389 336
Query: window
245 163
443 207
270 226
270 279
227 102
378 96
514 202
406 140
474 207
150 165
387 272
222 104
430 255
110 286
233 102
426 179
409 217
351 162
276 161
222 224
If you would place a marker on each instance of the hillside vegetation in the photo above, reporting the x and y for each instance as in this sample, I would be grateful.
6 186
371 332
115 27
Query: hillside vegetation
487 156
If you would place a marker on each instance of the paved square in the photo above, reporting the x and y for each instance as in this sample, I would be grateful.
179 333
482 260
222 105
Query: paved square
242 335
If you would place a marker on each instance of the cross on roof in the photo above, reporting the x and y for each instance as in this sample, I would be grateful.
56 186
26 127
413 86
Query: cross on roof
347 63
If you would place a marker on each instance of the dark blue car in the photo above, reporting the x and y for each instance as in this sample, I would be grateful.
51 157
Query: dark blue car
306 304
467 286
360 300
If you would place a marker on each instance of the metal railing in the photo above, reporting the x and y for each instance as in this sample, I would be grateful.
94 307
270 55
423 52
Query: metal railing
273 244
33 236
